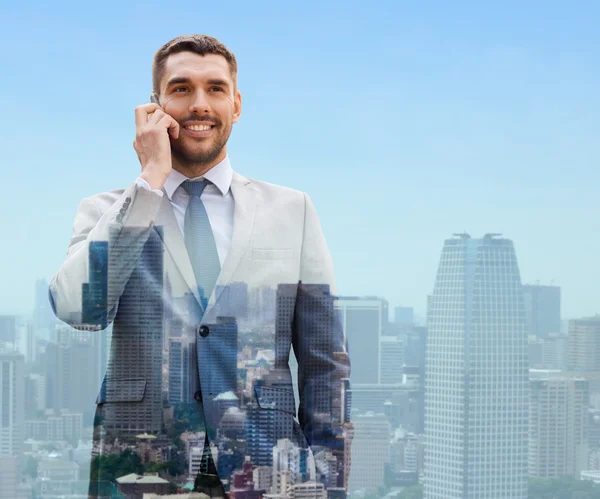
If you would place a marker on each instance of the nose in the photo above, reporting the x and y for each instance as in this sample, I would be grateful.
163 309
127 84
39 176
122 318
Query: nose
199 102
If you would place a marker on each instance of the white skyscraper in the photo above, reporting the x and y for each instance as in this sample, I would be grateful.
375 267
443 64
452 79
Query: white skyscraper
370 451
476 389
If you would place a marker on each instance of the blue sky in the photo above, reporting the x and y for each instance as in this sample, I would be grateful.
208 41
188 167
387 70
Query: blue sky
404 122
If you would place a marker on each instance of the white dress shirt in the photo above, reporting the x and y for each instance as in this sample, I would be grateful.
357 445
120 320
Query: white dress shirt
216 197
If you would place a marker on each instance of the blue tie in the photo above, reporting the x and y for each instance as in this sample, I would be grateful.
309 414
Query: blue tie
202 249
200 241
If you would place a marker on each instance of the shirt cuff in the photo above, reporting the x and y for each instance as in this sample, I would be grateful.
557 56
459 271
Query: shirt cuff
142 183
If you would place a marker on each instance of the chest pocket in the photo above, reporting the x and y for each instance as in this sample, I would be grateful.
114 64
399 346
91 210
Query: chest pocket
272 253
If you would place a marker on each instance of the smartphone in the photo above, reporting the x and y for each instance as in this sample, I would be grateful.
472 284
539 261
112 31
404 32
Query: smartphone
154 98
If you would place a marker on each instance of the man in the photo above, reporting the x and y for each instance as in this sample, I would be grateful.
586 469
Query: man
210 280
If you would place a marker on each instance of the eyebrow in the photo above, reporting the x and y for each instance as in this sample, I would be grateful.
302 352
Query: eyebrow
184 79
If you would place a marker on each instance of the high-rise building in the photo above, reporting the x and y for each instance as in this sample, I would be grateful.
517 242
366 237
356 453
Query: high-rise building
476 388
557 435
8 328
548 353
9 476
28 343
288 456
583 351
392 360
370 451
94 294
12 403
182 369
406 452
260 435
363 320
542 306
373 397
554 352
284 316
35 395
53 361
139 339
75 353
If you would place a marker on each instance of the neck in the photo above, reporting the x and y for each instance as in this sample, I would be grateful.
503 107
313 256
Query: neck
193 170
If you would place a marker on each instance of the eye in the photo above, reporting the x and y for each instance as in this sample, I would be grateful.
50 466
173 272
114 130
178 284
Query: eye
179 88
218 88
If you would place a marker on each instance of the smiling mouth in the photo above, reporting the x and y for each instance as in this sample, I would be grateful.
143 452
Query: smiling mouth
199 130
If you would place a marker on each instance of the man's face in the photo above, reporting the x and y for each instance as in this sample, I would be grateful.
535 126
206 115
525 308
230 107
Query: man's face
199 90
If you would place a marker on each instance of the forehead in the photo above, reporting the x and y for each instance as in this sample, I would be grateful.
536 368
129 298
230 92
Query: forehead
195 66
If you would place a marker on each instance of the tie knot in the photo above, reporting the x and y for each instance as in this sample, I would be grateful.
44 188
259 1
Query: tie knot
194 187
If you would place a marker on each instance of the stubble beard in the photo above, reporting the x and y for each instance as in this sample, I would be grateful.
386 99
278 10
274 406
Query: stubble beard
197 161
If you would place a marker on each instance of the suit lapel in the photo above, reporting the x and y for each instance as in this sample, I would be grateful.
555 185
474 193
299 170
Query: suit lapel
244 197
173 241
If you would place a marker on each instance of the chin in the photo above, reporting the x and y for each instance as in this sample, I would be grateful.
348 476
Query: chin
201 158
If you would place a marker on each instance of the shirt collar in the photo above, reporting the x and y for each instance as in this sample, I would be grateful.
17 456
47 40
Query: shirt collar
220 175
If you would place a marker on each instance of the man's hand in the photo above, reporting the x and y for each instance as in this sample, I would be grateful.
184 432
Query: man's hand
152 143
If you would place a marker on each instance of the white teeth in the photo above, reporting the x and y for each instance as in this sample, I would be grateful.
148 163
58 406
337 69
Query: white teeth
198 128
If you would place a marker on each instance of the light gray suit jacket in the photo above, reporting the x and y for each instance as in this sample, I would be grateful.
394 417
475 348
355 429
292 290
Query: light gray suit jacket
127 265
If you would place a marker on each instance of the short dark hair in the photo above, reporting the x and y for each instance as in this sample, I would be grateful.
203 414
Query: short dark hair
199 44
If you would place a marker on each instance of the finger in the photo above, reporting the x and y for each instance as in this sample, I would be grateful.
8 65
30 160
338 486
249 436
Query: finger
155 117
169 122
141 114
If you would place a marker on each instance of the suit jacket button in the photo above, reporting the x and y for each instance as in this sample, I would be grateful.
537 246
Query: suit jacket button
119 217
127 200
203 331
198 396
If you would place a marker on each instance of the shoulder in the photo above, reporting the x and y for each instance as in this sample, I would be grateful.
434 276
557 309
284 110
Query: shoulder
274 193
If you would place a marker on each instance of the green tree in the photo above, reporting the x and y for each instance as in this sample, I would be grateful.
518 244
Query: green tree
152 467
109 468
174 467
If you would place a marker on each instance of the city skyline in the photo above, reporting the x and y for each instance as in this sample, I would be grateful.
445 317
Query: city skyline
450 347
387 402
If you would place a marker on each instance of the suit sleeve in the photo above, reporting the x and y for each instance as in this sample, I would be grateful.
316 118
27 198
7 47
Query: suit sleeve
319 345
104 249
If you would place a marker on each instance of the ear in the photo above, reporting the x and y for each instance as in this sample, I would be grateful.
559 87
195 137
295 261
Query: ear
237 106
